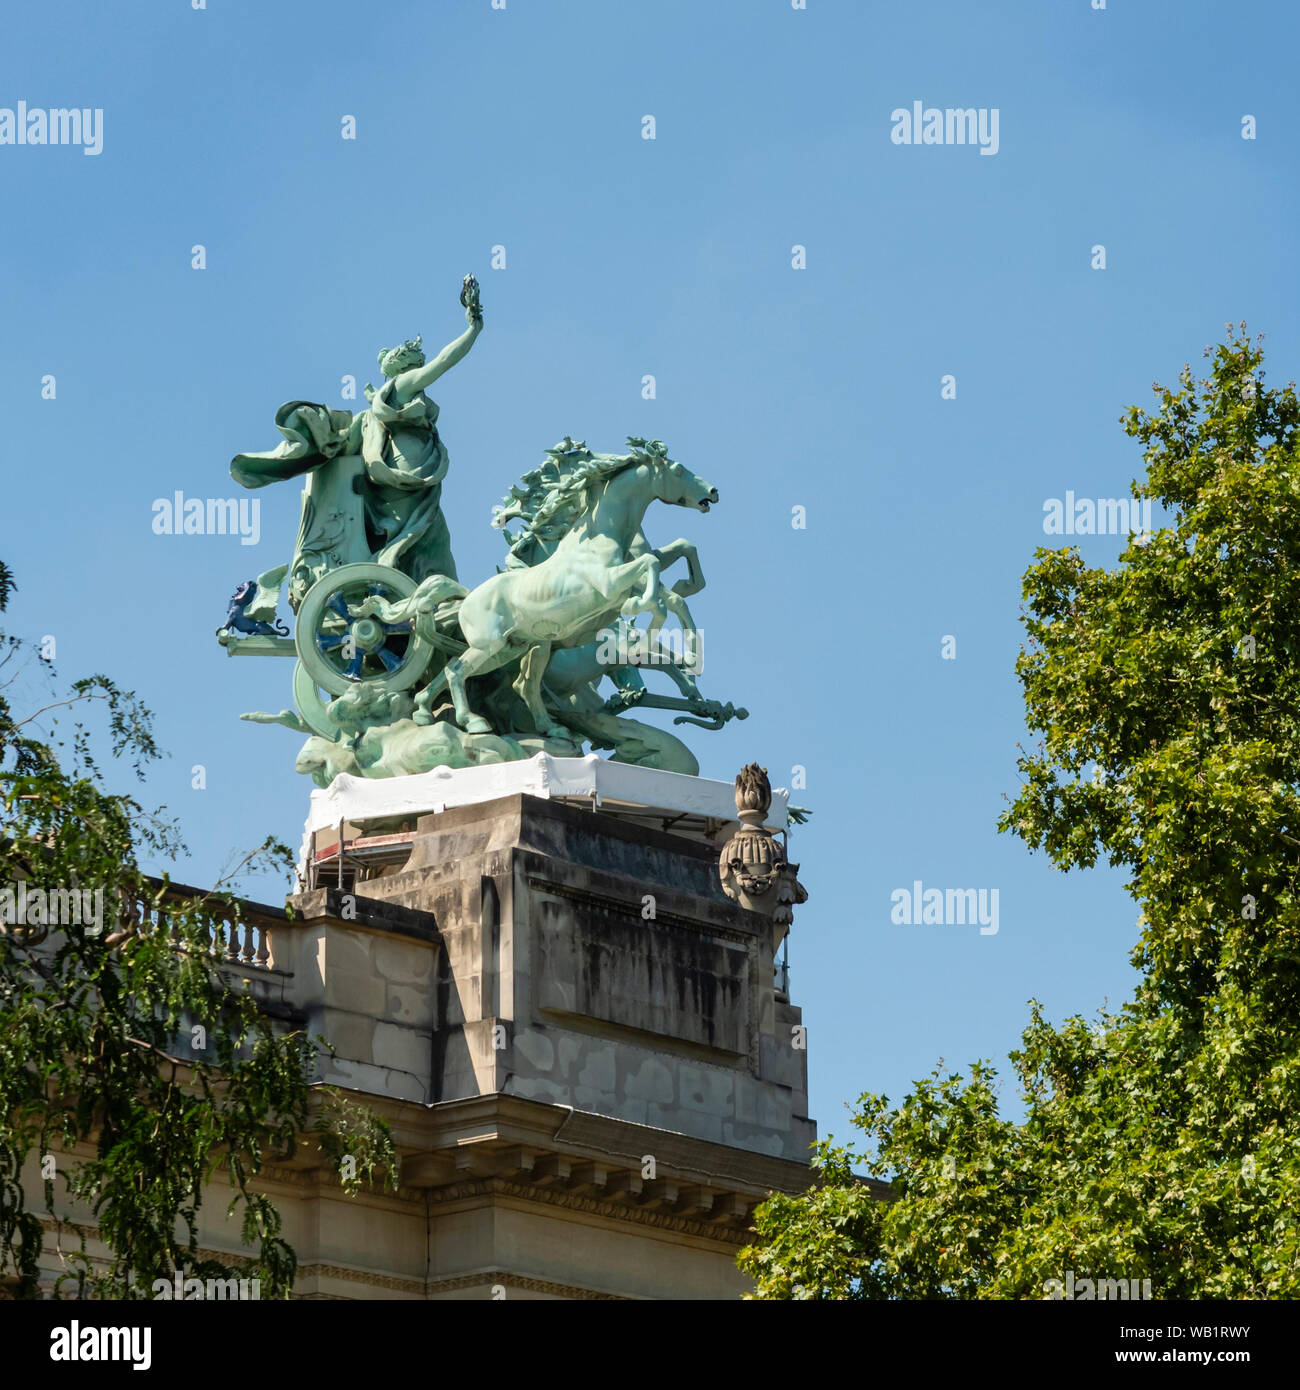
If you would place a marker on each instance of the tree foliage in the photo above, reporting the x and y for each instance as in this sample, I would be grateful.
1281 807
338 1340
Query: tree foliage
1161 1142
96 1072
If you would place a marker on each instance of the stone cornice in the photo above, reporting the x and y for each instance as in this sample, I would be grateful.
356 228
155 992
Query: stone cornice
517 1119
591 1206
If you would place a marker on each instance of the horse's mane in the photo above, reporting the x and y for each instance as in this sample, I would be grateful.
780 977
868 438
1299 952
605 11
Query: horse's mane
550 498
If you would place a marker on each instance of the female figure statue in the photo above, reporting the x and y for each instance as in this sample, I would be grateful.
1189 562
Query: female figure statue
373 480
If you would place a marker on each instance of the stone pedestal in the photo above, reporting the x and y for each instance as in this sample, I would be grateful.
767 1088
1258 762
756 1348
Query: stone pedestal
578 1043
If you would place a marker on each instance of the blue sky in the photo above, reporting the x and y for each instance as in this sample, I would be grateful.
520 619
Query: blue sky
817 388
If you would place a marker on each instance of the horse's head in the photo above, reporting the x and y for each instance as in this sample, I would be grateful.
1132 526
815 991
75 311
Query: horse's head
679 487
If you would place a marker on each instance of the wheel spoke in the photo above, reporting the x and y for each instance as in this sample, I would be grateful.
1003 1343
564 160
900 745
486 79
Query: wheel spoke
340 649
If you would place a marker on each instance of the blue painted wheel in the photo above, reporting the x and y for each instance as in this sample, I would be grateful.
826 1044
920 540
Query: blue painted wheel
341 647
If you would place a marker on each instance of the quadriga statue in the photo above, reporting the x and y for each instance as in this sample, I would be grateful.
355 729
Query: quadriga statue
387 638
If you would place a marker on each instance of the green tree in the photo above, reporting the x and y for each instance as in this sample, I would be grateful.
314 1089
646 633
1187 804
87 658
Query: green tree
91 1014
1161 1142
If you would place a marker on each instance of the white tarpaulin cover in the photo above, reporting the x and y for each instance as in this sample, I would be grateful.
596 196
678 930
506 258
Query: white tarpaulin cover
592 778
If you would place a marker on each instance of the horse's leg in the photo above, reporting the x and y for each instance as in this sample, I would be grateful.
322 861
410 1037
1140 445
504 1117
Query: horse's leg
474 661
683 550
644 570
644 566
424 700
683 680
528 685
677 606
690 635
681 672
661 656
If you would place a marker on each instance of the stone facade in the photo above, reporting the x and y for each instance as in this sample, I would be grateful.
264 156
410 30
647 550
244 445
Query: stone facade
576 1039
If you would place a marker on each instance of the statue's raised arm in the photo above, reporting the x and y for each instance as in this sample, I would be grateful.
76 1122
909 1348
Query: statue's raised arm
410 383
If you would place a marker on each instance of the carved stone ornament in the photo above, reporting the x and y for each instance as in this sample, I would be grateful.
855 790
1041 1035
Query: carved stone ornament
752 865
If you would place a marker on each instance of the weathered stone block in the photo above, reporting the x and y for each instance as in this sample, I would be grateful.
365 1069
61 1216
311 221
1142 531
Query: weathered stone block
404 1049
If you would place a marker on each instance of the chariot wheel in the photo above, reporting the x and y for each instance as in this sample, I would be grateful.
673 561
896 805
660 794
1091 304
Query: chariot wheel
338 650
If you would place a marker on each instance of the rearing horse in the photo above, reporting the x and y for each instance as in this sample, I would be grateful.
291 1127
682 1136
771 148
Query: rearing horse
565 600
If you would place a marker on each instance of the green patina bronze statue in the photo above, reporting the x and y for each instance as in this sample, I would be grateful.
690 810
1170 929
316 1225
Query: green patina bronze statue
374 480
384 628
